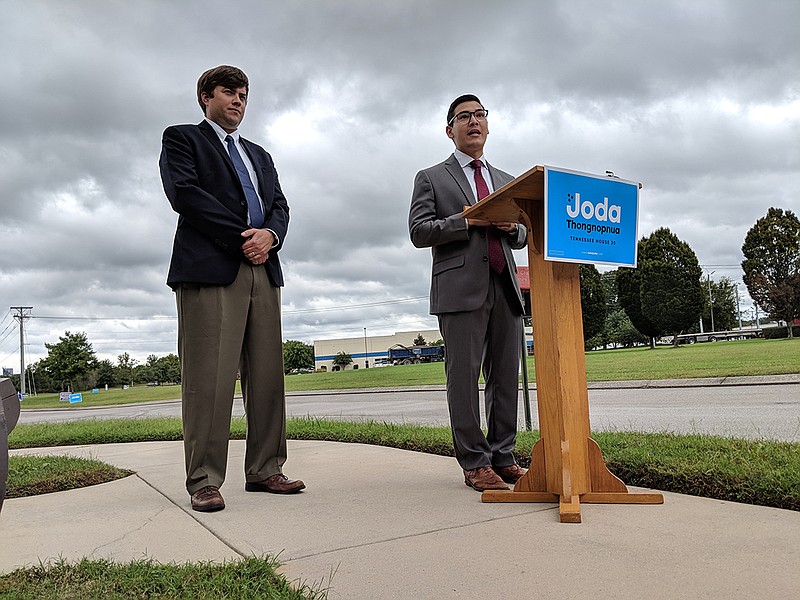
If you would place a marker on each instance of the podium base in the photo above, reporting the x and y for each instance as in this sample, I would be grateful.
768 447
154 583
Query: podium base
606 488
569 507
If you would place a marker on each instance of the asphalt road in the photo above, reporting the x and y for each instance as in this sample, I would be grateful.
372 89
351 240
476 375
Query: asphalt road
744 411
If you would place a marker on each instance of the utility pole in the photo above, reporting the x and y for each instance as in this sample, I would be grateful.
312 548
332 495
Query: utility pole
23 313
711 300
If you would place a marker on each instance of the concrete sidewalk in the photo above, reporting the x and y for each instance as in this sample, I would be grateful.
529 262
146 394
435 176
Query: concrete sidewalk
385 523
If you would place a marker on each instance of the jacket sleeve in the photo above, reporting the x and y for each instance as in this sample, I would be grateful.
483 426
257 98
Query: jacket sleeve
196 206
518 241
425 225
277 213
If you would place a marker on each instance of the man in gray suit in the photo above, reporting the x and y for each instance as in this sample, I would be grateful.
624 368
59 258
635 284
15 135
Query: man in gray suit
475 295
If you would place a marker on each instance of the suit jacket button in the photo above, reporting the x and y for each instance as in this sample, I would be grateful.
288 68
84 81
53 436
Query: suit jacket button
485 259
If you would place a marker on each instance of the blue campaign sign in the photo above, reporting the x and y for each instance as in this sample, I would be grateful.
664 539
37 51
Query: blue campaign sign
590 218
73 398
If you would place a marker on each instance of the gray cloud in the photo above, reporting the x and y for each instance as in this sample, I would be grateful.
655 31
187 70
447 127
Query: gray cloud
699 101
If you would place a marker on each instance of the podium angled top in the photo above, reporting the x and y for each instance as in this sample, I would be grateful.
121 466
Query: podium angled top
500 205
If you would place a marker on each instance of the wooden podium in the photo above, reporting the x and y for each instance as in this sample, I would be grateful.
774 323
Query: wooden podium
566 464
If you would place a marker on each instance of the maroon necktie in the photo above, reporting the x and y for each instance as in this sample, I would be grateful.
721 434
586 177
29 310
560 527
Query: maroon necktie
496 258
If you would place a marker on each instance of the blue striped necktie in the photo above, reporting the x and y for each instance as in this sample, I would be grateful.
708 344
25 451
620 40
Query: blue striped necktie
253 203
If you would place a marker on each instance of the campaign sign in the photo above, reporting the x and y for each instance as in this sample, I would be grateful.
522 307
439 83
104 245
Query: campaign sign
73 398
590 218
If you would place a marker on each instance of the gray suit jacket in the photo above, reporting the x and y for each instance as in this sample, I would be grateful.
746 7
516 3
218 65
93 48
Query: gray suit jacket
460 275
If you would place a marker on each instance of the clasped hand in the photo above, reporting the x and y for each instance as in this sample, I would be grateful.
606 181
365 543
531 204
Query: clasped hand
256 248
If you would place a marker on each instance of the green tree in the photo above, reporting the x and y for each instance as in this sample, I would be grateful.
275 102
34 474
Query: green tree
70 362
772 264
621 331
297 355
104 374
439 342
603 337
171 368
723 301
149 371
629 294
593 302
419 340
671 291
342 359
38 374
125 369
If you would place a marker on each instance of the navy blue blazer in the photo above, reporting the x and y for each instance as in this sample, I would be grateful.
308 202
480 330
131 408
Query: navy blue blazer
201 184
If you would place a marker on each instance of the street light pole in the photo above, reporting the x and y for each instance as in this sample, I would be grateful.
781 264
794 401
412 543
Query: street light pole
738 310
366 360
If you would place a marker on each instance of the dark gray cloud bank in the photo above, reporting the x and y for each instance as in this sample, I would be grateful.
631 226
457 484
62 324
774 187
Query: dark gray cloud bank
700 101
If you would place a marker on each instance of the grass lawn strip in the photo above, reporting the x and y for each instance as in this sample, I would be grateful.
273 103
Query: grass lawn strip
765 472
248 578
34 475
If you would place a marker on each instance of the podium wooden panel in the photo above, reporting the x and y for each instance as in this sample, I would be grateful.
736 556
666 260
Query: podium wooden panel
566 464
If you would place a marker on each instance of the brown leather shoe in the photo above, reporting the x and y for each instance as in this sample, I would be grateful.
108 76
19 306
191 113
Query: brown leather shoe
207 499
276 484
483 478
510 474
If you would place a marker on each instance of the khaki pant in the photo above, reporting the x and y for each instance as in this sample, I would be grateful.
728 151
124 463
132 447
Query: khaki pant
222 329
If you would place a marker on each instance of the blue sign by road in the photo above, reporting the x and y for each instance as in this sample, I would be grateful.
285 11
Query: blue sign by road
73 398
590 218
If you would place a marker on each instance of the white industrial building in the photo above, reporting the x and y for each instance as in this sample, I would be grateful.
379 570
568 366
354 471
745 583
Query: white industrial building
365 351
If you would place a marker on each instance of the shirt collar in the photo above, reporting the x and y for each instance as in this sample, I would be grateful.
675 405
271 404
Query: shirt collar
221 132
464 159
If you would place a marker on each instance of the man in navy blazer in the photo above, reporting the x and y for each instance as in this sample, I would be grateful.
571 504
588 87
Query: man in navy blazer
475 295
226 274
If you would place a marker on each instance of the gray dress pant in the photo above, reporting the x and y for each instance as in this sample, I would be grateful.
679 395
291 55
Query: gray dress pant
490 336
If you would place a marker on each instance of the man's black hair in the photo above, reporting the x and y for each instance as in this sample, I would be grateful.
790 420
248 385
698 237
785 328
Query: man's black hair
459 100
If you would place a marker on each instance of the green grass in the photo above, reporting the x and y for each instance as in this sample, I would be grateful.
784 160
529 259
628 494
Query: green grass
248 578
754 472
720 359
104 398
33 475
762 472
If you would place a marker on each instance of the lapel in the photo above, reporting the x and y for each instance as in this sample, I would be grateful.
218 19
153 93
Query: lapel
499 179
455 170
217 144
258 167
213 138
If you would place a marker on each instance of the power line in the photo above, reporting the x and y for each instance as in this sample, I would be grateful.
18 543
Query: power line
286 312
74 318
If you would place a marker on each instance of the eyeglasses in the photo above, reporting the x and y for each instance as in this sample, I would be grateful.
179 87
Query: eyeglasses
465 116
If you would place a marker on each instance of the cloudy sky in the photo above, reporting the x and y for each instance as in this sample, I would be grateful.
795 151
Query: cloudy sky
700 101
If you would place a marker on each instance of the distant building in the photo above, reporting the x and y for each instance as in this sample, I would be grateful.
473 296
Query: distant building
367 352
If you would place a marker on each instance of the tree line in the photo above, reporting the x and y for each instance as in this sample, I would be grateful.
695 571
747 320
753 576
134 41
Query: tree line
72 365
667 295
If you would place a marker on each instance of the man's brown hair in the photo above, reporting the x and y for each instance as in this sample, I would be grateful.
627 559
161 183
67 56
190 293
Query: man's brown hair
224 75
